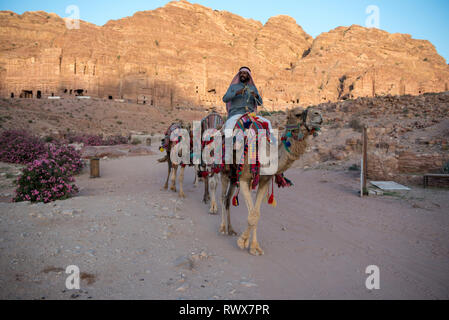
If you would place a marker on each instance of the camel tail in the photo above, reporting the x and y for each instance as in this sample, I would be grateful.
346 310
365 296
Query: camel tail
164 159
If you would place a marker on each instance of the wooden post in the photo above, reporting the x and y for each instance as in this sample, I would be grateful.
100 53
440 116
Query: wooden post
95 168
364 166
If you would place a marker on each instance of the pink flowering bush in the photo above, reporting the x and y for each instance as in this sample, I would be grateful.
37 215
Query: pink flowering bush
18 146
50 167
66 157
44 181
115 140
97 140
88 140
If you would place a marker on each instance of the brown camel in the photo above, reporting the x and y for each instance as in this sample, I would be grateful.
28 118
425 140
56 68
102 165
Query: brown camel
172 167
300 123
212 121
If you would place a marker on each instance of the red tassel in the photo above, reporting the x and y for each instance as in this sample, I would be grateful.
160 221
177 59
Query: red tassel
235 200
271 199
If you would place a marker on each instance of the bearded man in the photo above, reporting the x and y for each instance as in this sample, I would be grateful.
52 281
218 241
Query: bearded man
242 97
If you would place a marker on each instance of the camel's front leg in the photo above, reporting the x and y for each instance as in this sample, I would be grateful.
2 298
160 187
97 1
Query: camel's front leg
206 196
227 191
261 192
174 171
243 241
168 174
213 190
181 182
195 182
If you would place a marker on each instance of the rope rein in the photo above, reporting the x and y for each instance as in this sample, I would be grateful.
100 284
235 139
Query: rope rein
246 89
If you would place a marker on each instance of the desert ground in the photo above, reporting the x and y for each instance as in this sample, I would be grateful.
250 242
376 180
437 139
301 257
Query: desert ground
133 240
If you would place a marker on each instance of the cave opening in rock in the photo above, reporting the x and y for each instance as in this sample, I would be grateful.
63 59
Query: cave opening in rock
65 90
79 92
12 95
28 94
70 91
110 97
39 94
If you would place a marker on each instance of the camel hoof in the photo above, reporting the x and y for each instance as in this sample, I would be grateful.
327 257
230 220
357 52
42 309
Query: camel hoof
256 251
243 243
182 195
173 189
205 201
165 187
230 232
213 209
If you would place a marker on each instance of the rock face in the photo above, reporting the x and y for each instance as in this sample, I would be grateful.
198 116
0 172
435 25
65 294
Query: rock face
407 136
186 54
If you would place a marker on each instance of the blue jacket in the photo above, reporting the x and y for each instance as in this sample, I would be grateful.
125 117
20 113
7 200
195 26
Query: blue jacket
241 103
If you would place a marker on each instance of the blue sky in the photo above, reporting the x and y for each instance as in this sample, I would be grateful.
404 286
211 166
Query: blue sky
422 19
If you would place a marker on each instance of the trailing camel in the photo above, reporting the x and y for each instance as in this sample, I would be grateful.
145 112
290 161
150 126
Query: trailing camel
167 146
208 173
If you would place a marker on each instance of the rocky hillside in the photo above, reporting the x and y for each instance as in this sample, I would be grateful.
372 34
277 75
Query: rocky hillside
186 54
407 136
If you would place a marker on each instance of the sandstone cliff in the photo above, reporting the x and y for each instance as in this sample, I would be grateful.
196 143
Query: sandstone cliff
186 54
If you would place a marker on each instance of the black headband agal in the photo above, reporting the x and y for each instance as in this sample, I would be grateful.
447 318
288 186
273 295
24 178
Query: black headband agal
243 68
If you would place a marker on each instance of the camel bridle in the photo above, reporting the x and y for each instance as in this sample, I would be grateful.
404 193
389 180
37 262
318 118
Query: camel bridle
294 131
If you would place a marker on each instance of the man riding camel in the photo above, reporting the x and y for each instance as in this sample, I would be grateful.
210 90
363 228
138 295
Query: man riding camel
242 97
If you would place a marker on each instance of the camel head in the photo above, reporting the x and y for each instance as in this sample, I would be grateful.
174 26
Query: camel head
300 124
306 121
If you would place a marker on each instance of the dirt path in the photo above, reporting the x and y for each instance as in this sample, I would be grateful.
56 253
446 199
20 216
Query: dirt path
133 241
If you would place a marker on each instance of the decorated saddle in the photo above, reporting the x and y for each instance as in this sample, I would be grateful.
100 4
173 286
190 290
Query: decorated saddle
211 121
165 143
245 123
251 124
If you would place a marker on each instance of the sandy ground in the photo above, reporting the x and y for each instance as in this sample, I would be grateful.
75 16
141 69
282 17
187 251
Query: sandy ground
132 240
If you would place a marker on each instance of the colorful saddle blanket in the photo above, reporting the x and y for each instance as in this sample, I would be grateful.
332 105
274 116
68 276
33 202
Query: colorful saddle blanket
211 121
166 141
247 122
251 125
